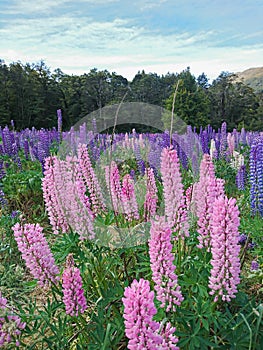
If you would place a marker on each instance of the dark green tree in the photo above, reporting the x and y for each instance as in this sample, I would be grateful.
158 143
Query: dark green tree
191 102
232 101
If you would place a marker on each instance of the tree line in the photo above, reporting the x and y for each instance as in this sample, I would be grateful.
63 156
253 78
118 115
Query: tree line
30 94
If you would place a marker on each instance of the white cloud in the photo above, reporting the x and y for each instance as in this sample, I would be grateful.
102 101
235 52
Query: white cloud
46 6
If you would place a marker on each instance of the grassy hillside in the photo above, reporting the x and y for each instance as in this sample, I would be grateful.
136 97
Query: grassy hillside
253 77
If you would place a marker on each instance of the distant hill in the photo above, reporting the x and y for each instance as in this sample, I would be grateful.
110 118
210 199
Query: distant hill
253 77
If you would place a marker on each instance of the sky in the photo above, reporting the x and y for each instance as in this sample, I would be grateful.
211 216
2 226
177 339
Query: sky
126 36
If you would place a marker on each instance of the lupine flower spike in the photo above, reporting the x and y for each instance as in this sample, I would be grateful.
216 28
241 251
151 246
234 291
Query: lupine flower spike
225 249
140 328
163 269
35 251
74 299
174 199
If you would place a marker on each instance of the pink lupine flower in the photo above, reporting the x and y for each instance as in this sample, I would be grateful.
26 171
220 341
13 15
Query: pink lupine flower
129 202
90 180
169 339
10 325
231 143
73 293
52 186
163 269
114 186
140 328
151 197
225 249
35 251
76 203
66 202
204 194
174 199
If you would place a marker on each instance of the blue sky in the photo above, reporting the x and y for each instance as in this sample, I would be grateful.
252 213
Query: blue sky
127 36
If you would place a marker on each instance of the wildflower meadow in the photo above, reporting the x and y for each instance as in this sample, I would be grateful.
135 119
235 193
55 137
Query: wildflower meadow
131 240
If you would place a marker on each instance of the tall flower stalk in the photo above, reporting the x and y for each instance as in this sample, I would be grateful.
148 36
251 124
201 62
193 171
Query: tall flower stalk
256 176
35 251
205 192
73 293
140 328
174 199
163 269
225 249
151 197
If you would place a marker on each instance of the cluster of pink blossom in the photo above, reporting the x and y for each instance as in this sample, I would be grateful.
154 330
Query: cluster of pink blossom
225 249
73 293
174 198
53 186
163 270
122 193
204 194
130 205
76 203
90 180
140 328
35 251
151 197
114 186
10 325
64 194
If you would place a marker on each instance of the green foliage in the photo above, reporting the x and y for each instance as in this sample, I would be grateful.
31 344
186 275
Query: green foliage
23 189
30 94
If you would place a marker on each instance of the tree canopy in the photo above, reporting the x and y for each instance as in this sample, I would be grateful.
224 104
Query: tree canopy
30 94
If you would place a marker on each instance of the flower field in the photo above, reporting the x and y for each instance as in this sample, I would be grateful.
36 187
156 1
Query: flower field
131 241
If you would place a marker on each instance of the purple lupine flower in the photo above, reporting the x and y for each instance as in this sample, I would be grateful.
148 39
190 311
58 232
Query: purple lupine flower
8 140
154 155
10 325
14 214
140 162
205 142
254 265
2 169
241 178
256 176
26 149
251 245
163 269
35 251
174 199
73 293
3 200
223 139
243 136
140 329
59 116
225 248
242 239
